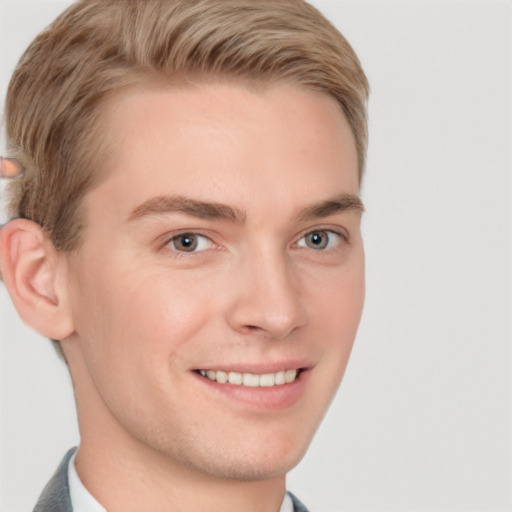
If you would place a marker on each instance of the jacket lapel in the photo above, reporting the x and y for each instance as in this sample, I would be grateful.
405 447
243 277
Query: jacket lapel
298 506
55 496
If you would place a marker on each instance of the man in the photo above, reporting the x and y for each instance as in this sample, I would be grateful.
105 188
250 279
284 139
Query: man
187 232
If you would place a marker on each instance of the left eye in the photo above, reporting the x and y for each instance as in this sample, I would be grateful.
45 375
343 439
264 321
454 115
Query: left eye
190 242
319 239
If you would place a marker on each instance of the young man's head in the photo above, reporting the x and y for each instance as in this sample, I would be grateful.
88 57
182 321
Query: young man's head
189 228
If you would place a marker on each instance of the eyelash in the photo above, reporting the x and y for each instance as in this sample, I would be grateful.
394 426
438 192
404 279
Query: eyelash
200 237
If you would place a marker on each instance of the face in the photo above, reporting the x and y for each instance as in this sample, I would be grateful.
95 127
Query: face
224 245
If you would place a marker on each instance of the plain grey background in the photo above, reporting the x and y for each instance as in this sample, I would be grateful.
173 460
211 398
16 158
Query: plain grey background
422 419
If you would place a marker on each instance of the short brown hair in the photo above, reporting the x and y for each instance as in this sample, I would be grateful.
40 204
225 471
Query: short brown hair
96 47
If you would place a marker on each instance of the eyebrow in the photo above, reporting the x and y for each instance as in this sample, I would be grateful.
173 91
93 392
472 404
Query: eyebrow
164 205
337 204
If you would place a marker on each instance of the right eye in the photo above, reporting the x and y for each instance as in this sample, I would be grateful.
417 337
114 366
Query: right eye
190 242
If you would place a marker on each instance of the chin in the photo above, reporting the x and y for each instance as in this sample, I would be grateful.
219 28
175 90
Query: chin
252 460
258 468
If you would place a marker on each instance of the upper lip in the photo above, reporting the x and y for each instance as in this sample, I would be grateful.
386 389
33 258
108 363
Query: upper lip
257 368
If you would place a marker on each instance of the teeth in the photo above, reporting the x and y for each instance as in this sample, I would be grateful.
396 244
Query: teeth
279 378
235 378
250 379
290 375
221 377
267 380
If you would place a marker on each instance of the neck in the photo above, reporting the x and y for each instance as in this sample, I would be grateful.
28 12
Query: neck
135 481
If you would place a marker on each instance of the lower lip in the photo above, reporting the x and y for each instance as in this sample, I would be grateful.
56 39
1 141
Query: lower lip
272 398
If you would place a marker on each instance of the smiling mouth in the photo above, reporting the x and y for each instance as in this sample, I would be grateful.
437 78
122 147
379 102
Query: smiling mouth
252 380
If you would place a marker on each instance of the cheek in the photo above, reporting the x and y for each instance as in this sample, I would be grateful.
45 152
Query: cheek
334 321
338 311
133 328
158 312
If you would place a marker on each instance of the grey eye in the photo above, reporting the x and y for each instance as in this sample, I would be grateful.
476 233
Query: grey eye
190 243
317 239
320 239
186 242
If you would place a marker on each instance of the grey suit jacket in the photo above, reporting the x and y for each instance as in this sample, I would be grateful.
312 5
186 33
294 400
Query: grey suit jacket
55 496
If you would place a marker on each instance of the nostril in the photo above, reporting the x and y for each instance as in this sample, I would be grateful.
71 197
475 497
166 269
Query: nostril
251 329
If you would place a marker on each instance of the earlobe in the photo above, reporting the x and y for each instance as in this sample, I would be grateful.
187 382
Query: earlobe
34 274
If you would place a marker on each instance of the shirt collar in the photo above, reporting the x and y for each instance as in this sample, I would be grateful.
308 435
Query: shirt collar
287 505
81 499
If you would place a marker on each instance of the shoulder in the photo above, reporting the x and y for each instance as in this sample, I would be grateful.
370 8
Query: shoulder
55 496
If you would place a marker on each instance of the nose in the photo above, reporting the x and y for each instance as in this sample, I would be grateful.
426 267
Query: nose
266 296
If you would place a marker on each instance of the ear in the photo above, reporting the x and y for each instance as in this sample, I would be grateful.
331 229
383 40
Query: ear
35 275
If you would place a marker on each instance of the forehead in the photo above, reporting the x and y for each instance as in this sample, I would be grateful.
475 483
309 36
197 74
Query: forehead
224 141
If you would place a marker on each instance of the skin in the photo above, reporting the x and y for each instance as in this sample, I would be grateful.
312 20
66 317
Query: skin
143 314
